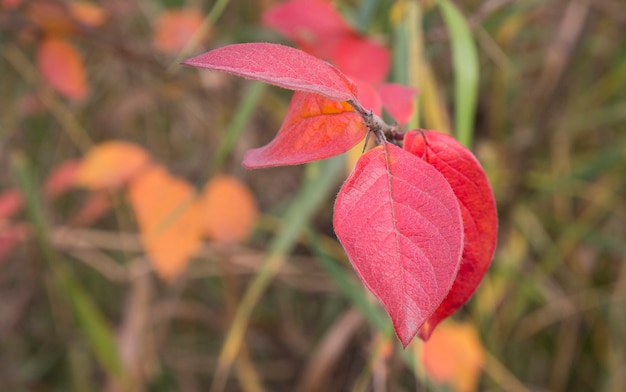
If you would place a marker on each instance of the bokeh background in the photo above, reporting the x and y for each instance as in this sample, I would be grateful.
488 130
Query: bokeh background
274 305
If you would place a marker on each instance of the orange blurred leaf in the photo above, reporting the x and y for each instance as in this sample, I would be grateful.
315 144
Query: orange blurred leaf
111 164
168 218
62 67
229 209
454 356
174 29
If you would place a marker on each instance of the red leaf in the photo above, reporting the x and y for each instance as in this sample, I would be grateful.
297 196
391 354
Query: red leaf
398 100
281 66
315 128
62 178
400 225
11 202
62 66
363 59
478 208
313 25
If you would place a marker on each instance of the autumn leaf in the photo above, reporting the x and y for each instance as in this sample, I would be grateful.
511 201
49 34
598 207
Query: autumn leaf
454 356
229 209
281 66
111 164
174 29
168 218
94 207
61 178
362 58
62 67
11 202
314 128
480 221
400 224
313 25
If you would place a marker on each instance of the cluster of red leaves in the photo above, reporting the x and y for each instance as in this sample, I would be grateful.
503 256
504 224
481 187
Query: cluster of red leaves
316 27
172 218
418 223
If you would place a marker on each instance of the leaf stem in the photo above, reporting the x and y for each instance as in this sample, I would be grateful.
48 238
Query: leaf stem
376 125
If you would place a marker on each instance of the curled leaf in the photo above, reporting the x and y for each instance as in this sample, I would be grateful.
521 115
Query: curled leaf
478 208
400 225
279 65
315 128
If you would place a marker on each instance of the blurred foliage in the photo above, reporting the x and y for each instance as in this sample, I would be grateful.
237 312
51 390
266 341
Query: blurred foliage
82 310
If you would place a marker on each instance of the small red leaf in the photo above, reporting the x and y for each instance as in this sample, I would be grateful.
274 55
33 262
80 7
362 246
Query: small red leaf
400 224
279 65
398 100
315 128
478 208
313 25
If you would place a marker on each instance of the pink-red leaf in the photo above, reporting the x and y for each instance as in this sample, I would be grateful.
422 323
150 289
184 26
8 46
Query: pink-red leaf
398 100
362 58
279 65
315 128
61 65
478 208
400 224
313 25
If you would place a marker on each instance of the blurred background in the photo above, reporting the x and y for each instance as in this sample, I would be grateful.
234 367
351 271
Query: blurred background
137 254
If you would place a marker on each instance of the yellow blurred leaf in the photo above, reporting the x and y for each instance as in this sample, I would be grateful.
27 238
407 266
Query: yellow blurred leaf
167 213
454 356
229 209
62 67
174 29
111 164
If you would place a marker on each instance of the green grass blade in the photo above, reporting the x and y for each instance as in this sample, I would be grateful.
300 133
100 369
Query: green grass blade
320 183
466 71
243 113
90 321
